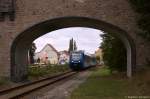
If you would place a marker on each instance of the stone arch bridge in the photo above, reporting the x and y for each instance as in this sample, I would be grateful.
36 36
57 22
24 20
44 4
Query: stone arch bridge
22 21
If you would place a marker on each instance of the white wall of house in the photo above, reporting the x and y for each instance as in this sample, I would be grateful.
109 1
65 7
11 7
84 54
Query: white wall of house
47 55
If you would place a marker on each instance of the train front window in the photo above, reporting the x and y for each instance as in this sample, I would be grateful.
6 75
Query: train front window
76 56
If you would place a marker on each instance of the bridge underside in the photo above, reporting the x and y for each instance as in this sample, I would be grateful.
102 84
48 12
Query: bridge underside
19 51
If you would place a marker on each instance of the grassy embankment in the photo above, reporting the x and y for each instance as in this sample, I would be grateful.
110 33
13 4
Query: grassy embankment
4 83
3 80
35 73
102 84
49 70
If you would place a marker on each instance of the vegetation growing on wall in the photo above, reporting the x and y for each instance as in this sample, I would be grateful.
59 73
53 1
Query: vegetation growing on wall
32 52
114 52
143 8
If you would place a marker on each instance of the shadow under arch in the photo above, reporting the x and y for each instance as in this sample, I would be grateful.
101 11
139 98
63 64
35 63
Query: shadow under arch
19 48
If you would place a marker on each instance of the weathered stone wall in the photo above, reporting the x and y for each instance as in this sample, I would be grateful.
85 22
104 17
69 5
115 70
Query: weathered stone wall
31 12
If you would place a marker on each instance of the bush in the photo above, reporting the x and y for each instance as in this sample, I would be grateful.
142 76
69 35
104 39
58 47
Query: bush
38 71
143 8
114 52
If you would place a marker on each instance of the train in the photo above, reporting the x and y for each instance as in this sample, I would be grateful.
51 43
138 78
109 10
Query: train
79 60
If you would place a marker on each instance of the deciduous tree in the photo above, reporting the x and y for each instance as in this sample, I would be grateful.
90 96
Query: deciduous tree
114 52
72 45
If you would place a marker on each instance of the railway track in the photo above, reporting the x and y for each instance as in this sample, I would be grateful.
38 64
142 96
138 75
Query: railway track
14 93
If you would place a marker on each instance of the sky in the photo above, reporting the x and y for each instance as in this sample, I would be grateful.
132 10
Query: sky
87 39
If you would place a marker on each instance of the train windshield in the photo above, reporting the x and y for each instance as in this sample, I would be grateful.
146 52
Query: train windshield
76 56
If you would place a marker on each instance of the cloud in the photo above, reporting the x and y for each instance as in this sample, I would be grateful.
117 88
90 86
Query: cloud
86 38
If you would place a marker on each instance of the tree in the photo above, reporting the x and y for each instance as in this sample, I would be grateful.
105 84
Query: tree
32 53
114 52
72 45
143 8
75 46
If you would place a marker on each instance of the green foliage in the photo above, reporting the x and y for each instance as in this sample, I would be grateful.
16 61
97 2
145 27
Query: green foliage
72 45
143 8
101 84
75 46
98 87
38 71
114 52
4 80
103 71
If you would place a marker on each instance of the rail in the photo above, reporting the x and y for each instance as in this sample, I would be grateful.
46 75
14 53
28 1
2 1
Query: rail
13 93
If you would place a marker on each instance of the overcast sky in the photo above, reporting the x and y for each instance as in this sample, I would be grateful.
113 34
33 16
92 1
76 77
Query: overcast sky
87 39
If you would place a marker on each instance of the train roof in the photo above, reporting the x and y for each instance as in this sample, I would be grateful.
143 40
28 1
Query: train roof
82 51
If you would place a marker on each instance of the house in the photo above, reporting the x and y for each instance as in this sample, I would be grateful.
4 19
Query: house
48 55
99 55
63 57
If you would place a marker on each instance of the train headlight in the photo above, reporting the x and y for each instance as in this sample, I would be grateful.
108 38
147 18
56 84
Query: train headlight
79 61
72 61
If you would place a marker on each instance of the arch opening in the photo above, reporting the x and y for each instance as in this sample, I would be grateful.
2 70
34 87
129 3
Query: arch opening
20 46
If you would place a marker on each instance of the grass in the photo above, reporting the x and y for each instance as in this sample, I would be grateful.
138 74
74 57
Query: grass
4 81
39 71
36 72
104 85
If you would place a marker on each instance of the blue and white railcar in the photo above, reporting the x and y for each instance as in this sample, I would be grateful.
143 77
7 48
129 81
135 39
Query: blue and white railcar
79 60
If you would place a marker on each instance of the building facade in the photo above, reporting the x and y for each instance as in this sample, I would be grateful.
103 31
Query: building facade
99 55
64 57
48 55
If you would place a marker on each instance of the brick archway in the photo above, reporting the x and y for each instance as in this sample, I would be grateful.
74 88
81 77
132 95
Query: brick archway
19 48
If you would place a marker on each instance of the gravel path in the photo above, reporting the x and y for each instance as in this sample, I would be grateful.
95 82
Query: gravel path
61 90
